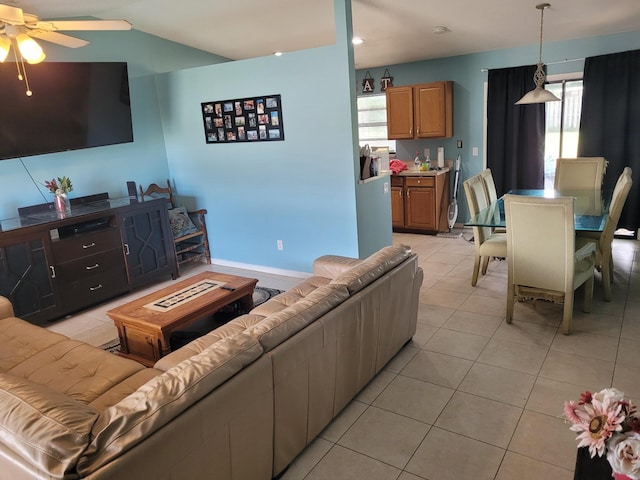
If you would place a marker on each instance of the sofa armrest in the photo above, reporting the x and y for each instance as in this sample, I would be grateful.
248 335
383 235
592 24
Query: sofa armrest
332 266
6 309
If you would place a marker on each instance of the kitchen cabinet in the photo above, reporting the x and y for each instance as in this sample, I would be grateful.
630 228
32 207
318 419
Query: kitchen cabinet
419 203
53 264
420 111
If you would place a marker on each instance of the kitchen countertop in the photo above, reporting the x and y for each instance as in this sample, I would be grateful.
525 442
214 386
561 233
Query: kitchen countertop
412 172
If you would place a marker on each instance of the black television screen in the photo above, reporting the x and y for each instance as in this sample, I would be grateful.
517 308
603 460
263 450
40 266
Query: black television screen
74 105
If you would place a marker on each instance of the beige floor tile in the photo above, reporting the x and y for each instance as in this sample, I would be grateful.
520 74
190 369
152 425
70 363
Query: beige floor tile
454 284
423 335
548 396
99 335
492 287
344 464
537 311
304 463
597 323
628 353
496 383
627 380
75 325
578 370
343 421
447 257
445 455
475 323
443 370
433 315
526 333
631 322
415 399
587 344
484 305
480 418
463 271
375 387
516 466
443 298
545 438
436 268
458 344
515 356
401 359
385 436
409 476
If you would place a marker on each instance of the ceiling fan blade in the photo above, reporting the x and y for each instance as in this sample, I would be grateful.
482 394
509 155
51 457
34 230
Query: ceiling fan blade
11 15
59 38
83 25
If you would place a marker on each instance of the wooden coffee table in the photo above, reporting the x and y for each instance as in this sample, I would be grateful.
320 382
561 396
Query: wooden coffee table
145 325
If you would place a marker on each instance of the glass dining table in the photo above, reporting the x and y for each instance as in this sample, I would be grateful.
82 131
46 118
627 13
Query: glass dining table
591 208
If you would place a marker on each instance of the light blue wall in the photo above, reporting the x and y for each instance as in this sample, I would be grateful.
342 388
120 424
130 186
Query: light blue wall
301 190
105 169
469 75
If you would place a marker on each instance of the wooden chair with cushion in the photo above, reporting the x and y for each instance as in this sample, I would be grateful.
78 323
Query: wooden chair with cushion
188 227
488 244
581 172
543 261
604 239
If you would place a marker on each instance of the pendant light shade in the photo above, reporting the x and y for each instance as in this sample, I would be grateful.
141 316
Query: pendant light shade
539 94
29 49
5 46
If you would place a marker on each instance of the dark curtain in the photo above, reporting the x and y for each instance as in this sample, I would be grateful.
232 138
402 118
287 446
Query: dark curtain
610 122
515 133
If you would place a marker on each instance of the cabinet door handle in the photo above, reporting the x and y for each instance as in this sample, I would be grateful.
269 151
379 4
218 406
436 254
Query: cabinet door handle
91 267
90 245
408 193
126 249
53 271
97 287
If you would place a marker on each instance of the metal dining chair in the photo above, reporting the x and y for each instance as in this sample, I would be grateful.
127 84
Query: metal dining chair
542 256
603 240
488 244
581 172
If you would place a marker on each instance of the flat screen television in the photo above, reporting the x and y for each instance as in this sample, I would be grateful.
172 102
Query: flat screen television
74 105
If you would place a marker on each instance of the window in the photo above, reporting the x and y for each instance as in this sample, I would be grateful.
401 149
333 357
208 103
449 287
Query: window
563 124
372 122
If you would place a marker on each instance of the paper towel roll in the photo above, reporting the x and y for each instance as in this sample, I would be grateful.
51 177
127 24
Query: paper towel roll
440 157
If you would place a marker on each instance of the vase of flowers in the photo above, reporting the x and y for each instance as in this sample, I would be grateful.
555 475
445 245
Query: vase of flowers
608 425
59 188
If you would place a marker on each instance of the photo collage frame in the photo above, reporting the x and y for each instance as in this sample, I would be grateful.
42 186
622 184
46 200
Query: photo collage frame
252 119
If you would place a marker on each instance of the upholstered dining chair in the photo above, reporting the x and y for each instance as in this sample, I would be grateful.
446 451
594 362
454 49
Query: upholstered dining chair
581 172
492 194
488 244
543 261
603 240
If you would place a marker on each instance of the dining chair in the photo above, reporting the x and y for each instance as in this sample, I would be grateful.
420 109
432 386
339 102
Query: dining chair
492 194
581 172
543 261
488 244
603 240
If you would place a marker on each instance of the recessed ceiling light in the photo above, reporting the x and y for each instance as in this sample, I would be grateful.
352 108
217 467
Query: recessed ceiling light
357 41
277 54
439 29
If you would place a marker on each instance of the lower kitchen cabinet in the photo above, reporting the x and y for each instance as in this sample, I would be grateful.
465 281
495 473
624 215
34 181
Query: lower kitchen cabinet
419 203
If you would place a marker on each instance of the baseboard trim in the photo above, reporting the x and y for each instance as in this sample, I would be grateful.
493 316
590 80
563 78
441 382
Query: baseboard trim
260 268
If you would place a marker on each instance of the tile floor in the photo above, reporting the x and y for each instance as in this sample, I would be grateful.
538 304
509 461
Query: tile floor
470 397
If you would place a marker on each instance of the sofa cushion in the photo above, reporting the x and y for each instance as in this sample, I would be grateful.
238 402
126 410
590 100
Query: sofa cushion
76 369
290 297
48 429
194 347
124 388
6 309
21 340
373 267
332 266
164 397
278 327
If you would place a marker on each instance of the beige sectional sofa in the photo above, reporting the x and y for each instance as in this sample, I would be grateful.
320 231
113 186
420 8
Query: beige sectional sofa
239 403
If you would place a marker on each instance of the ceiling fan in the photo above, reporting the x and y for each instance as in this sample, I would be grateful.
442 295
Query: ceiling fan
18 29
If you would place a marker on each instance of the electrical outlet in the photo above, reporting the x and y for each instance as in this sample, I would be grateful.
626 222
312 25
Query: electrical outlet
459 144
475 151
385 187
427 153
279 244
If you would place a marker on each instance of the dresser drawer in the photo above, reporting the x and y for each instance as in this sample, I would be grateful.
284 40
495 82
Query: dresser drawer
77 246
90 266
420 181
94 289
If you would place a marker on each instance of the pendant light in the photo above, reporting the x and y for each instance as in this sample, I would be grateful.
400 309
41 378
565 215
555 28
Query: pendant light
539 94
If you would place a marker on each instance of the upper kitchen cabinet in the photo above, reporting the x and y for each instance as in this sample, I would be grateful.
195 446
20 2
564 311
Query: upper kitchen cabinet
420 111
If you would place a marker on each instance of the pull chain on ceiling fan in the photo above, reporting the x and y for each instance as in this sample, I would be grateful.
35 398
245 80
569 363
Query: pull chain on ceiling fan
18 29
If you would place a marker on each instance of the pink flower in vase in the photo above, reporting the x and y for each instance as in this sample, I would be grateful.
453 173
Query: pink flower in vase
598 420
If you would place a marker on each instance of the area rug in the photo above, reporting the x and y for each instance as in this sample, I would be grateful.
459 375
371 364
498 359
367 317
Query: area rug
260 295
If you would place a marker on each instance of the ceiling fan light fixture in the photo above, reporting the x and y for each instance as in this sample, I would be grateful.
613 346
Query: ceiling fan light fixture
29 49
357 41
539 94
5 46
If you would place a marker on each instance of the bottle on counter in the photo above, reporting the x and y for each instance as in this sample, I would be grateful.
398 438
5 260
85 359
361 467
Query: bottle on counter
416 161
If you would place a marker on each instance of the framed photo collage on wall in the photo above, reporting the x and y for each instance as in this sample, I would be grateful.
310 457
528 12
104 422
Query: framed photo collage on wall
253 119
